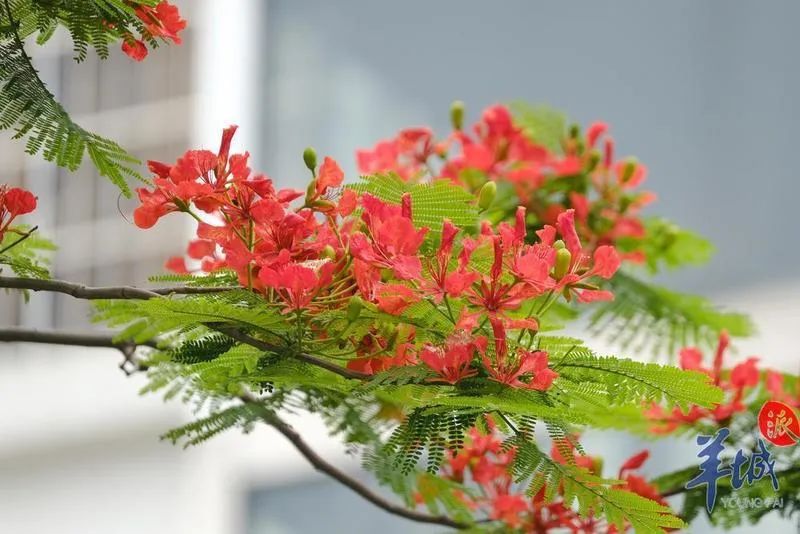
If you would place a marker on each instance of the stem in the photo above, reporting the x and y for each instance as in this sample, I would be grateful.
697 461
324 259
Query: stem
24 236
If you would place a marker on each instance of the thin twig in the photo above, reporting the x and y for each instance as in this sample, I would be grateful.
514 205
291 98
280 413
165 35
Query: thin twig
321 465
80 291
106 341
127 348
22 238
240 336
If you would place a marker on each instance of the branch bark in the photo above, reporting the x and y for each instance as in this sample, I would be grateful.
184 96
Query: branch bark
127 348
128 292
106 341
80 291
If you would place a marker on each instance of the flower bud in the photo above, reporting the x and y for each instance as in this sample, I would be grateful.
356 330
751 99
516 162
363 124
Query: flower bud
486 195
457 114
311 190
354 308
628 170
559 244
325 206
310 159
328 253
594 159
574 131
563 259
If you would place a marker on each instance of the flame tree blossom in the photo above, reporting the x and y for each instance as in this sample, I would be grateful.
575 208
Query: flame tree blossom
162 21
486 462
735 383
606 205
313 252
14 201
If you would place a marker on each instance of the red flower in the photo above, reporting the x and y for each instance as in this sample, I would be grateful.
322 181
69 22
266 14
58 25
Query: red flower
508 508
511 370
135 49
745 374
395 298
393 241
444 282
14 201
774 384
297 284
163 20
330 175
742 376
19 201
453 361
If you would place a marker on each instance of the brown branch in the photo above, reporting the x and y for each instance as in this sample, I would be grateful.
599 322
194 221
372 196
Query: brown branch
129 292
80 291
321 465
127 348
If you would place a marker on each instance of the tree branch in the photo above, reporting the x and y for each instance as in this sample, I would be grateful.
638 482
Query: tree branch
80 291
321 465
127 348
129 292
240 336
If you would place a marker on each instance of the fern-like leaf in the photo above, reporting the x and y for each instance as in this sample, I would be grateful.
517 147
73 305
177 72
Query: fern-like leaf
645 317
27 106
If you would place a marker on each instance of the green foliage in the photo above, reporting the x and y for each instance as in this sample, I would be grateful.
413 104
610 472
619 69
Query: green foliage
147 319
618 381
430 202
91 23
203 429
666 244
590 493
433 433
31 110
644 316
541 124
27 257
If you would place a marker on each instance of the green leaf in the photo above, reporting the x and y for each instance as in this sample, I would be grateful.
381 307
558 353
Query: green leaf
666 244
31 110
541 124
431 203
644 316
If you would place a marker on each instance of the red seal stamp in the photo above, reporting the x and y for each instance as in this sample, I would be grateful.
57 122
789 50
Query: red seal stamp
779 424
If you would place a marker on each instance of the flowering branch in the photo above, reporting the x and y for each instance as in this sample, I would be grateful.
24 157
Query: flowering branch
127 348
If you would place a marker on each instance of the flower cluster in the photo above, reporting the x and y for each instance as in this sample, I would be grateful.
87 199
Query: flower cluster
160 21
585 176
734 383
485 462
332 247
14 202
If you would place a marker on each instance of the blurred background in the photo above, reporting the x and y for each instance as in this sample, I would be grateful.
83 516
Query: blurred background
704 93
